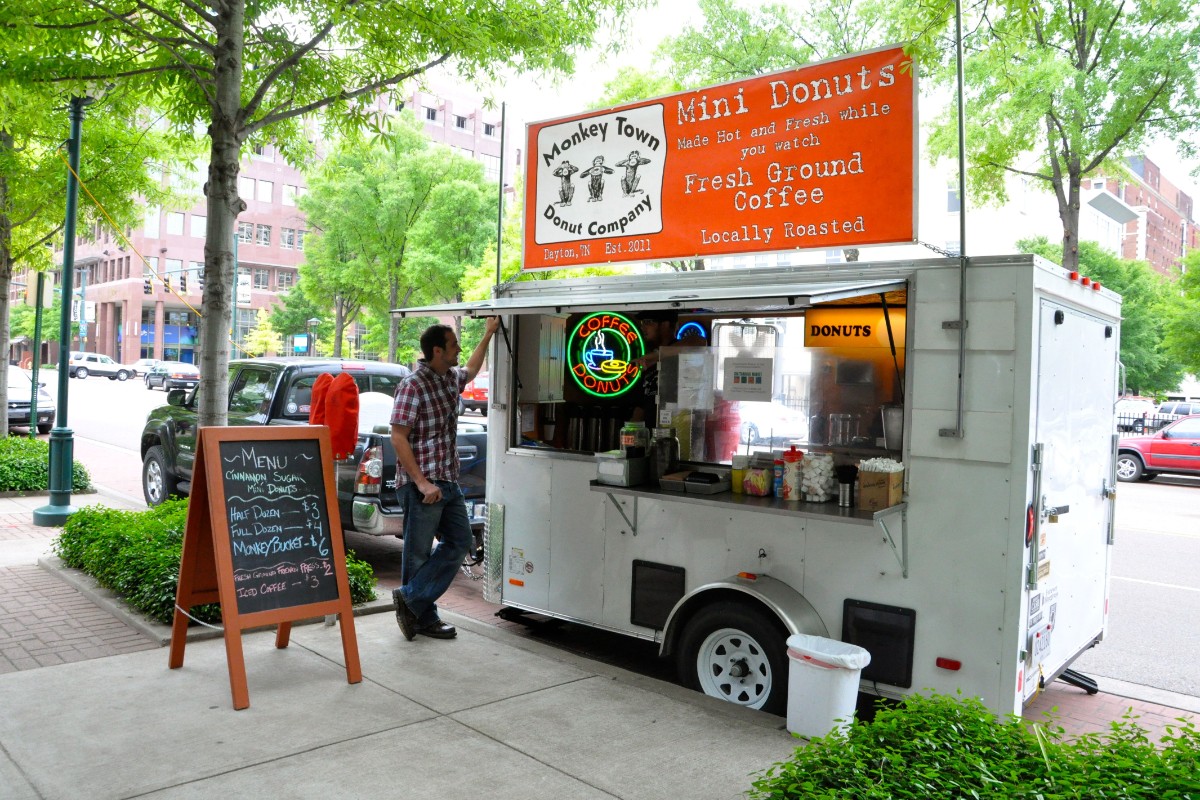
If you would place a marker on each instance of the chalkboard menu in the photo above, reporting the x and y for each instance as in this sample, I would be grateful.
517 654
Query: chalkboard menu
278 524
262 541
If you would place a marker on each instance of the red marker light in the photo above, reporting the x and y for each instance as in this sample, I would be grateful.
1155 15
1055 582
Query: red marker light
949 663
1074 276
747 576
1086 281
1096 285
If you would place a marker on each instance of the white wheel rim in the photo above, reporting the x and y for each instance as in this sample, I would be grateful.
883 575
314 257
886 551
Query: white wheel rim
1125 468
154 481
733 666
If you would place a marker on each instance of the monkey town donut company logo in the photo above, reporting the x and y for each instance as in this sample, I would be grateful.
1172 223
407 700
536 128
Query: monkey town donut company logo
601 176
601 352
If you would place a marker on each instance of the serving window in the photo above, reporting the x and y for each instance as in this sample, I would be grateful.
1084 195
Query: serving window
826 377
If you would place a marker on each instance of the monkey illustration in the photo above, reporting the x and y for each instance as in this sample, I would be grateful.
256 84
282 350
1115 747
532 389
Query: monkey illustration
565 192
632 179
595 173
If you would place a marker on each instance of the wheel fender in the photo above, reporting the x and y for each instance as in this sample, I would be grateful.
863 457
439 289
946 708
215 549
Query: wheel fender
790 607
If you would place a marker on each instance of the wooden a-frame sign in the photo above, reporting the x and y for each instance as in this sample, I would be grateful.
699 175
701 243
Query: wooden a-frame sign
263 541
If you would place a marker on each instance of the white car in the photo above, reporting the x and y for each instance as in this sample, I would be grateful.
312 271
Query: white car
143 365
83 364
1133 414
20 390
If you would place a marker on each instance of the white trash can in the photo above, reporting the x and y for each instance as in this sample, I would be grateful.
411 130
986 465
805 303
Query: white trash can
822 683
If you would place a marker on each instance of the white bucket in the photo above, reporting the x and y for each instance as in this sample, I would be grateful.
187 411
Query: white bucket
822 684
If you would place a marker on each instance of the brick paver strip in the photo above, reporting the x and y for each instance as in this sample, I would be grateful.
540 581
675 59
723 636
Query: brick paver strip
44 621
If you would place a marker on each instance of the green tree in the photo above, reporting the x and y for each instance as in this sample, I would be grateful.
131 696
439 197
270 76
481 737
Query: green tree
262 338
1146 296
291 317
116 149
1074 87
1183 317
260 72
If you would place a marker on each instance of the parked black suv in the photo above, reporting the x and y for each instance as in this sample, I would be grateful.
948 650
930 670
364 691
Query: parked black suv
277 391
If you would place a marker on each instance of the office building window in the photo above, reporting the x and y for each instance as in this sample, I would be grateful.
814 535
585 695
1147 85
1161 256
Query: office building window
287 238
263 235
245 187
300 239
152 215
489 129
263 153
262 278
285 279
175 223
491 166
460 122
245 232
953 206
150 267
199 225
289 195
431 115
266 190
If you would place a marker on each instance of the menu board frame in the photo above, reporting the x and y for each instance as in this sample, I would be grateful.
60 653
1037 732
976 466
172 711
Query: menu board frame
206 571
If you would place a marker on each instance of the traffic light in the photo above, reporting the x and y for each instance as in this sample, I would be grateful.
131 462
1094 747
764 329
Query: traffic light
183 283
200 281
147 287
167 283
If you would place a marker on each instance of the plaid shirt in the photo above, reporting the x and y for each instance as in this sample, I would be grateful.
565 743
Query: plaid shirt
427 404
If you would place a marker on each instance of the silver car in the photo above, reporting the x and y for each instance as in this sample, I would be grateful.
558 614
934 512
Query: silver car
20 390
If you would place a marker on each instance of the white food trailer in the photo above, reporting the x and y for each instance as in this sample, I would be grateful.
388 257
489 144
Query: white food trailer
989 577
986 572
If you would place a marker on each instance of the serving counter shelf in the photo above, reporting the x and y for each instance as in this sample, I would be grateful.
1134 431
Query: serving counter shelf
768 505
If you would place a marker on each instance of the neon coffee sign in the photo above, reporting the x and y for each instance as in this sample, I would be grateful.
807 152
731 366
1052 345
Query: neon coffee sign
601 352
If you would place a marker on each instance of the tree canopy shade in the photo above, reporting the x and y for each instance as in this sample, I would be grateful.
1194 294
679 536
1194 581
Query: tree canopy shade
258 72
1183 318
1075 86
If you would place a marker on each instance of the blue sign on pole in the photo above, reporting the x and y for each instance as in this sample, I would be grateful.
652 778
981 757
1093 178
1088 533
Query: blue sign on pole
299 342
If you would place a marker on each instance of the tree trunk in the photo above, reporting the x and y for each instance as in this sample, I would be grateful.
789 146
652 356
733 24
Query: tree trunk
6 146
224 205
393 323
339 315
1070 220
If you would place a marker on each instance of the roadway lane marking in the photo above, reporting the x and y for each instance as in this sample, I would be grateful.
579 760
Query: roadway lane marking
1158 583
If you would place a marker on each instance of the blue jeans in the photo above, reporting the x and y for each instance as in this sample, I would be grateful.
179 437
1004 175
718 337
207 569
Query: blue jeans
427 572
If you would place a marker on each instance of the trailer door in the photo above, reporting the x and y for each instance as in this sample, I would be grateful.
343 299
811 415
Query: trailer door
1073 424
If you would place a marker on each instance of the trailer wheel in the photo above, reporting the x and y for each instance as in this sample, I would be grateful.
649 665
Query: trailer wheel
1129 467
736 653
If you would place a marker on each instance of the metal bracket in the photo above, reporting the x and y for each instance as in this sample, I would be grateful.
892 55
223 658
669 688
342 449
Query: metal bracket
954 324
621 510
1031 577
901 553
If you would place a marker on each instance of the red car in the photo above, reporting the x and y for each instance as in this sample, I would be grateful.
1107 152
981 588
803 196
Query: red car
475 395
1175 448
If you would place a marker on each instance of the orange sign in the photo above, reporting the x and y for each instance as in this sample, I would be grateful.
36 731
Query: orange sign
854 327
821 156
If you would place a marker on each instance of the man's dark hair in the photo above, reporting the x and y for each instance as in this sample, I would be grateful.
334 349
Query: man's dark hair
434 336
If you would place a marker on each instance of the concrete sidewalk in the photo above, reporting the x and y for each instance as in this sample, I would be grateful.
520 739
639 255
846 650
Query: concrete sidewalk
90 708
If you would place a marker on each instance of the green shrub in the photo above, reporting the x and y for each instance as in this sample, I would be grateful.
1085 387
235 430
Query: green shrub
25 467
136 554
938 746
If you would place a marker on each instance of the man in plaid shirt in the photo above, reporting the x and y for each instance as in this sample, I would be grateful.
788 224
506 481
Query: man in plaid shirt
424 429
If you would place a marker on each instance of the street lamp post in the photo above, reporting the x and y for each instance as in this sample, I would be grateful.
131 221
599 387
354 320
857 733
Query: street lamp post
312 335
62 443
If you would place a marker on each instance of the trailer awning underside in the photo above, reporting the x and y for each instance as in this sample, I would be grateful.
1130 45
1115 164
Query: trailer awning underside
746 292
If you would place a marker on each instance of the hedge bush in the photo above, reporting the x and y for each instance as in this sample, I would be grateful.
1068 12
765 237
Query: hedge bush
939 746
136 554
25 467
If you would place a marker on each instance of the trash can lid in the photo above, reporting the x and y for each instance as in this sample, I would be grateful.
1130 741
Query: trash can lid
829 652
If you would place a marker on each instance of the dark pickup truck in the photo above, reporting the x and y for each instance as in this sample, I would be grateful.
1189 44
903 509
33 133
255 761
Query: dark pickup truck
276 391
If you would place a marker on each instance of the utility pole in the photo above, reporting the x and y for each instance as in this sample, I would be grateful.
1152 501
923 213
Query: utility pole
62 442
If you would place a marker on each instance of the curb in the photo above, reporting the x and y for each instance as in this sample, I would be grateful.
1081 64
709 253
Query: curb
157 632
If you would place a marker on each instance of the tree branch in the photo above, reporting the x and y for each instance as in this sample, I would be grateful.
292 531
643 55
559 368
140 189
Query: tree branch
285 64
325 101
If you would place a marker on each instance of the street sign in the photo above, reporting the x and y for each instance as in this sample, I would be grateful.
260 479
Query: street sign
243 290
300 343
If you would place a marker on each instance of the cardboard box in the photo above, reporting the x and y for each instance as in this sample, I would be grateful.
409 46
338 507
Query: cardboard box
878 490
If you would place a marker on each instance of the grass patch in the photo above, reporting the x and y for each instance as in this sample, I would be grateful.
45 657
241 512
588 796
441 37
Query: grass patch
940 746
136 554
25 467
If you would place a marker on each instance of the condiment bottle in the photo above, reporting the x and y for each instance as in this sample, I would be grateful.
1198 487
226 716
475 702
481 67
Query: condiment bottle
738 474
791 474
779 477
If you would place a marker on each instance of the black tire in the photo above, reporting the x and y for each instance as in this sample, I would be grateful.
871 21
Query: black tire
1139 426
1148 476
44 427
122 375
158 485
727 638
1129 467
81 372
